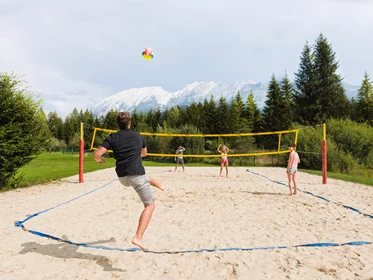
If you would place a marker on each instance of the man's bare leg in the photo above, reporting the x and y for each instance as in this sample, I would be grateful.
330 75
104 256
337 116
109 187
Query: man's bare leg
156 184
289 183
294 184
145 217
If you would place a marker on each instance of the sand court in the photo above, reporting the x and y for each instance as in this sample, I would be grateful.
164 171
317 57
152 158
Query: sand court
198 210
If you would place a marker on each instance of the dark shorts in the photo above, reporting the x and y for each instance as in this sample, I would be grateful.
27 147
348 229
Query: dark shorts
179 160
141 184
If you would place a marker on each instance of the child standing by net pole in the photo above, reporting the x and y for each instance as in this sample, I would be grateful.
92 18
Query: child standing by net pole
224 159
292 167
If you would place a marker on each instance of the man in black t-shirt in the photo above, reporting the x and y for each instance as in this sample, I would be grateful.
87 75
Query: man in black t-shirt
128 148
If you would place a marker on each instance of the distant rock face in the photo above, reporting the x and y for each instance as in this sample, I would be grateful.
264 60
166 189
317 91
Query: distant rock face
152 98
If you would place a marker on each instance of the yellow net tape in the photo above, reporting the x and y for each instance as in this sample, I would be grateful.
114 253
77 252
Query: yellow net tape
210 135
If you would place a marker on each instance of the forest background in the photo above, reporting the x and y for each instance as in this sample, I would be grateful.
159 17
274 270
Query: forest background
313 98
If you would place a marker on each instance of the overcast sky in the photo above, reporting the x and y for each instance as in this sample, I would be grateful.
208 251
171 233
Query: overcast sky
76 53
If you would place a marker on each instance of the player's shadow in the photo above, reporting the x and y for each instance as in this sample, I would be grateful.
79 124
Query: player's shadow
69 251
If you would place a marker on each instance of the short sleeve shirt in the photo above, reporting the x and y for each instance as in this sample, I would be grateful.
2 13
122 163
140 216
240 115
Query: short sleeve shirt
127 146
179 153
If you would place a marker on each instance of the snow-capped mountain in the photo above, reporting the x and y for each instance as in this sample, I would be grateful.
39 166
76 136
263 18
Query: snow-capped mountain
143 99
147 98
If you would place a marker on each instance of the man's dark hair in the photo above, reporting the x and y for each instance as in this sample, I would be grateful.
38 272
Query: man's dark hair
123 119
291 145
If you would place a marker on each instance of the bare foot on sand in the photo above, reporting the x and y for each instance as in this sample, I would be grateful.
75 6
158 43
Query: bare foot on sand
139 243
162 186
295 192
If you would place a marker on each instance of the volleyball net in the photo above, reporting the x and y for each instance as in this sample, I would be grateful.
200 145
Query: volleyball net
245 149
205 145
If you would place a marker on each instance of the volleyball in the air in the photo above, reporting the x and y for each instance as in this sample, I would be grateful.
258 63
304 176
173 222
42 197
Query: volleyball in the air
148 54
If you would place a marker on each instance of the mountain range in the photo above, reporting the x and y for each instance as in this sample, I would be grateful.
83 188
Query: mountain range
147 98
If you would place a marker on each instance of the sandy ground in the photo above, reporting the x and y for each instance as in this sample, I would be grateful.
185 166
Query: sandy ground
198 210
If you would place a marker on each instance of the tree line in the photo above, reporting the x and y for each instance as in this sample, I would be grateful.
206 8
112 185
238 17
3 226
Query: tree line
314 97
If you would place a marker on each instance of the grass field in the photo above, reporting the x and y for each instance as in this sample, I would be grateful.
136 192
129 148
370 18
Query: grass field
48 167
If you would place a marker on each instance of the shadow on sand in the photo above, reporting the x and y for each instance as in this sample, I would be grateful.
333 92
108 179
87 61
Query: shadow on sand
68 251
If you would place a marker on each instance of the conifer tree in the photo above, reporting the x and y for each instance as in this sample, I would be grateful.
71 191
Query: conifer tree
134 119
55 125
223 125
174 117
253 114
365 101
153 119
110 120
237 115
331 95
210 116
354 109
251 111
240 104
71 126
288 103
272 117
305 98
193 113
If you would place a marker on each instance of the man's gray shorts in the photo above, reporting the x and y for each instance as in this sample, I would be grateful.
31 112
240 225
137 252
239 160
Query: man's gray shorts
141 184
292 170
179 160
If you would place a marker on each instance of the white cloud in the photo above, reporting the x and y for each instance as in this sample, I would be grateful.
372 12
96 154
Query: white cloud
80 47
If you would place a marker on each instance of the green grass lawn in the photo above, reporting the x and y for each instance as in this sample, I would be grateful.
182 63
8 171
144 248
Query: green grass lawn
48 167
344 177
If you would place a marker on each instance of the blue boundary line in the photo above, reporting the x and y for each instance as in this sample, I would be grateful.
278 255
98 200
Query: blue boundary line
45 235
318 196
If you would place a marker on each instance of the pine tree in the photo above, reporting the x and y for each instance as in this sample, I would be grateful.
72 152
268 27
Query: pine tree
304 94
153 119
71 126
134 119
55 124
331 95
288 103
193 112
240 104
110 121
223 125
252 115
210 116
365 101
174 117
273 110
237 112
